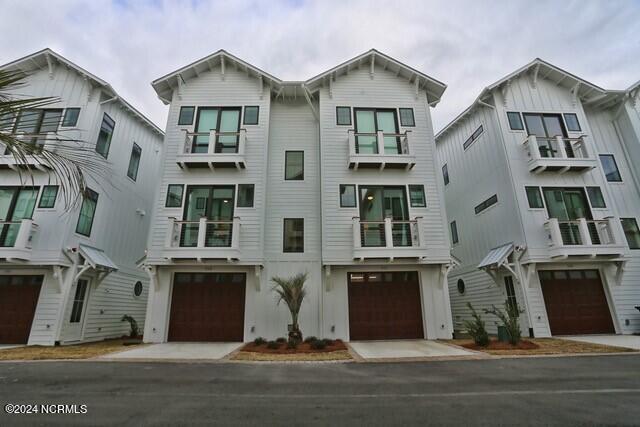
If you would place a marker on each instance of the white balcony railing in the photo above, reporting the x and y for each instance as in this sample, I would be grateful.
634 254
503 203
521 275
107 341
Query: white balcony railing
388 239
585 237
47 140
203 239
213 149
559 154
16 239
380 150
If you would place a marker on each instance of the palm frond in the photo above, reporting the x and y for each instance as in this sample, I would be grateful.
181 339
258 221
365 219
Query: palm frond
291 291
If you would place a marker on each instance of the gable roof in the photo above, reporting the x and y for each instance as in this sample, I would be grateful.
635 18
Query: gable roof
165 85
46 59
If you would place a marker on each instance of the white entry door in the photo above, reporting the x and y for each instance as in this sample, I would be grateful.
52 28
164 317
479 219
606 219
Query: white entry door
75 321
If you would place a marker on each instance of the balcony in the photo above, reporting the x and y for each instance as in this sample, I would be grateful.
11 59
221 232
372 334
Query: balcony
585 237
16 238
203 239
213 150
380 150
40 141
559 154
388 239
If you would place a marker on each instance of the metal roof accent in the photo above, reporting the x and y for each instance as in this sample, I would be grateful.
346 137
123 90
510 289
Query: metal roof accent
96 258
497 256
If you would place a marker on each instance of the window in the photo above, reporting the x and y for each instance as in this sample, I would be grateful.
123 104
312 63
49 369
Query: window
70 117
347 196
16 204
174 196
38 122
445 174
596 198
370 121
48 196
534 197
87 212
486 204
631 232
515 120
461 286
454 232
225 121
294 165
610 168
134 162
245 195
104 137
343 116
512 302
137 289
416 196
251 114
186 115
475 135
293 235
406 117
571 120
6 120
78 301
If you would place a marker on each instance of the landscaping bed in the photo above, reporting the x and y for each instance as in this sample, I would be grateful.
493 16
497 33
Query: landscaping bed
310 350
539 346
77 351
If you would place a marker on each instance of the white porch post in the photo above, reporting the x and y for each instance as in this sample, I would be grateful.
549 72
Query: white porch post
554 232
534 150
561 148
388 232
380 141
212 142
235 232
585 237
242 139
356 232
202 231
352 143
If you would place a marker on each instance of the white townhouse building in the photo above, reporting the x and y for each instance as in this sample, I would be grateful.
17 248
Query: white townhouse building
69 274
543 202
334 176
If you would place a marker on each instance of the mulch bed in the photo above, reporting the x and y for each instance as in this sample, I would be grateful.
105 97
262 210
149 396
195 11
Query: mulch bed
498 345
336 345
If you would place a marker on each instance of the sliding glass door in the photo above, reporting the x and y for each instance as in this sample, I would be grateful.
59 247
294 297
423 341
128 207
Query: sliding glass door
226 121
16 204
547 127
568 205
378 203
214 203
369 122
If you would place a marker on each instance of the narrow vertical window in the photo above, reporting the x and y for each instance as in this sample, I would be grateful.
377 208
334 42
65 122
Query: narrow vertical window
571 120
251 115
347 196
610 168
534 197
343 116
454 232
70 117
87 213
174 196
631 232
105 135
512 302
186 115
445 174
417 197
48 197
406 117
134 162
596 198
515 120
294 165
245 195
293 235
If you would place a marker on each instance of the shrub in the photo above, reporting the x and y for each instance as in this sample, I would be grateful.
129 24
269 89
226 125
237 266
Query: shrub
259 341
476 328
281 340
291 344
318 344
273 345
327 341
310 339
510 319
134 331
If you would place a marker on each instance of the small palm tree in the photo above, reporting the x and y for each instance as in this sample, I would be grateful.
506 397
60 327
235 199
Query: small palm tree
291 290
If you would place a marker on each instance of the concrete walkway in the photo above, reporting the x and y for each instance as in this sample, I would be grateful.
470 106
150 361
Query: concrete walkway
177 351
8 346
400 349
628 341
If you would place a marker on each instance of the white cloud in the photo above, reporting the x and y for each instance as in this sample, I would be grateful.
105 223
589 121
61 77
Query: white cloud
466 44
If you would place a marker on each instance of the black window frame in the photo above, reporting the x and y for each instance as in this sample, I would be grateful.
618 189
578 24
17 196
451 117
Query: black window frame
474 136
626 236
133 150
55 197
180 117
597 189
286 157
64 124
420 187
539 193
445 174
284 236
519 116
338 116
112 123
253 195
615 163
510 291
453 229
244 115
89 194
486 204
355 196
166 203
413 117
566 122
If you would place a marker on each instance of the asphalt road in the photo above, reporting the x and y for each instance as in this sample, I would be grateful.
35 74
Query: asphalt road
559 391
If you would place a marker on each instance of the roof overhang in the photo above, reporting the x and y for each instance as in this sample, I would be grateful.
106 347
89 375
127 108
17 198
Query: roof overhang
497 257
97 258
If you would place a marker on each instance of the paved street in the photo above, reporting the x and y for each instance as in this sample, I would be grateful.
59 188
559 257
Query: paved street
560 391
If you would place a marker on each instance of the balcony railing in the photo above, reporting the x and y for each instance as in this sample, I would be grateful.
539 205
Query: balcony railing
16 239
380 150
559 154
388 239
39 140
585 237
213 150
203 239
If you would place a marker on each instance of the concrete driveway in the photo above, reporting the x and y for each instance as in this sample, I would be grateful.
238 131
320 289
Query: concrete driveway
403 349
177 351
628 341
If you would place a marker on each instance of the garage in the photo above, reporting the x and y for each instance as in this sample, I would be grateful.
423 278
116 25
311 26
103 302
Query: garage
385 305
575 302
18 301
207 307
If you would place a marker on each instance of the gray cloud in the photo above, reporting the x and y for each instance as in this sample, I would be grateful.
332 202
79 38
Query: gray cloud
466 44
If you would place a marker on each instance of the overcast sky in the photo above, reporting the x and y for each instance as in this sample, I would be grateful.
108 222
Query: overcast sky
466 44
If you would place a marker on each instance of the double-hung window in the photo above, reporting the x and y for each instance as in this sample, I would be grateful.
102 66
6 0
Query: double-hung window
294 165
134 162
293 235
105 135
87 213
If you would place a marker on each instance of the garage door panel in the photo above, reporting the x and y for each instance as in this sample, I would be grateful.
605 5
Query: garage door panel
18 302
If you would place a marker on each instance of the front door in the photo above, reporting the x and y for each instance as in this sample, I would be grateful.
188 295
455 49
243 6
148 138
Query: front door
567 205
546 127
369 122
16 204
378 203
214 203
75 324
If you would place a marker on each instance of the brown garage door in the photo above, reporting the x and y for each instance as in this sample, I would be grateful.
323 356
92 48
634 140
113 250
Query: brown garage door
575 302
384 306
207 307
18 301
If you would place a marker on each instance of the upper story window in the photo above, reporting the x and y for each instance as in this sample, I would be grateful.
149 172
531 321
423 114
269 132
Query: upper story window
445 174
6 120
225 121
596 198
48 196
245 195
186 115
104 136
38 122
71 117
251 115
631 232
571 120
515 120
610 168
534 197
371 121
454 232
486 204
294 165
475 135
16 204
343 116
174 196
347 196
293 235
87 213
134 162
417 198
406 117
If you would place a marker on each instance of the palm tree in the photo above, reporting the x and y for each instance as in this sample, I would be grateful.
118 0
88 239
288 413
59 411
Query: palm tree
291 290
67 161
